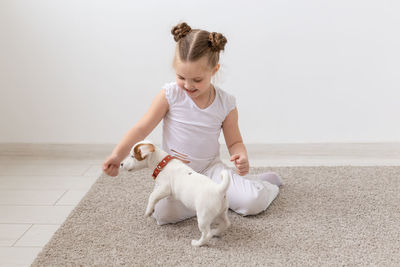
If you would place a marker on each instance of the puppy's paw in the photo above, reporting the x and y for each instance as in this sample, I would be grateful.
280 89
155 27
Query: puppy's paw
149 212
196 243
216 232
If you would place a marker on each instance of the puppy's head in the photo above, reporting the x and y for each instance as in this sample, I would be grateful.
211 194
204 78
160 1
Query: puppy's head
138 155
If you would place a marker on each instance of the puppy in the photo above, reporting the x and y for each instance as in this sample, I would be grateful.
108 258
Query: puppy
194 190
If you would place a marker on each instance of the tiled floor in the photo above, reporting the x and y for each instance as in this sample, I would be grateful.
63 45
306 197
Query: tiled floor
41 184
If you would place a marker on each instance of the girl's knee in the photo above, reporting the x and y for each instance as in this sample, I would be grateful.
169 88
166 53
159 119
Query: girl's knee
255 201
252 205
162 217
169 210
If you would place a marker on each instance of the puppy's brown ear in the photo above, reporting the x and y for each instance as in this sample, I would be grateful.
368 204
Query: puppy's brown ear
141 151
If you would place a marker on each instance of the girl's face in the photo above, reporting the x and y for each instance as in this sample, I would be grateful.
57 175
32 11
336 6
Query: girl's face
195 77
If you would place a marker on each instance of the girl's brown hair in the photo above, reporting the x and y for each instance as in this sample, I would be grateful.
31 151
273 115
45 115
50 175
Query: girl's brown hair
192 44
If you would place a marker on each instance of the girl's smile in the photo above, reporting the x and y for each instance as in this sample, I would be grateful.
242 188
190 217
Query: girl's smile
191 91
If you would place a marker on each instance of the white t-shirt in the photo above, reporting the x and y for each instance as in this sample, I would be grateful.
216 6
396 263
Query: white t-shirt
191 133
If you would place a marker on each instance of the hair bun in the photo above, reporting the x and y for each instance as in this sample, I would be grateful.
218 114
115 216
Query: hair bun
180 31
217 41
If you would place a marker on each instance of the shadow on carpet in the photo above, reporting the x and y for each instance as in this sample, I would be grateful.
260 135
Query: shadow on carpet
322 216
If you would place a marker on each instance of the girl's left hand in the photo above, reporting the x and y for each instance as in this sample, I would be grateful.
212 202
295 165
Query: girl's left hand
242 164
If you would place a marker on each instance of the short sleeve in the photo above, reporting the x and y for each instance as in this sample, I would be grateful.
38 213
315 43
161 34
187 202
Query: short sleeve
229 102
170 92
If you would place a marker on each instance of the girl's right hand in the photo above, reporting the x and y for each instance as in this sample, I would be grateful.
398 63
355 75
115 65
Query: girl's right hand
111 165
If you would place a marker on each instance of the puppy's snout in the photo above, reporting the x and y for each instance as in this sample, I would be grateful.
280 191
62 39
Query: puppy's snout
122 164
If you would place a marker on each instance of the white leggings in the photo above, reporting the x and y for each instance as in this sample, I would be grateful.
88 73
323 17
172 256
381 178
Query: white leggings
246 197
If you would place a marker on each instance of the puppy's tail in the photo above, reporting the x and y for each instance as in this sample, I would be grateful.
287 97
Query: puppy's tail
223 186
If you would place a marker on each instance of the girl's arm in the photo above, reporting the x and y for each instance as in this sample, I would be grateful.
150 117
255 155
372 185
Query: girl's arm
158 108
144 126
234 143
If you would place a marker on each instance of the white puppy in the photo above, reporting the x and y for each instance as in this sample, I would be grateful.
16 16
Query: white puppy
176 179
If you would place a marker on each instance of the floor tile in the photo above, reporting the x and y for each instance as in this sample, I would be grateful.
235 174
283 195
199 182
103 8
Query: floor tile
71 197
46 182
34 214
10 233
30 197
42 169
13 256
37 236
93 170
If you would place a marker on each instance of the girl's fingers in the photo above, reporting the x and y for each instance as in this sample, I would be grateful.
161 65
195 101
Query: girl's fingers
114 171
242 169
105 166
110 169
242 166
241 161
235 157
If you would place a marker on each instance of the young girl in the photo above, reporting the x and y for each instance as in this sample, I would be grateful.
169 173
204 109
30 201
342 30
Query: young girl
194 111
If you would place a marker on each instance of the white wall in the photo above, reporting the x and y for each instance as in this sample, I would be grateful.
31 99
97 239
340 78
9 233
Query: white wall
302 71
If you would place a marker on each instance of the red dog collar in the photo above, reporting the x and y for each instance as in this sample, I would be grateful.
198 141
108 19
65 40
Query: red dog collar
161 165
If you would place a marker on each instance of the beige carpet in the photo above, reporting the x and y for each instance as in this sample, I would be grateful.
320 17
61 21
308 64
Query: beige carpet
323 216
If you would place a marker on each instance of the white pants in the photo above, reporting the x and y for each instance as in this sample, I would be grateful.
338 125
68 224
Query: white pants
246 197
